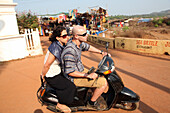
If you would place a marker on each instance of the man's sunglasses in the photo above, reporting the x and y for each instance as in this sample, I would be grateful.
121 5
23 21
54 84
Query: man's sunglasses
82 34
64 36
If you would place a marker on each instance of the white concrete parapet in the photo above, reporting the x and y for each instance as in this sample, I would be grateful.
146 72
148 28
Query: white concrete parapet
20 46
101 40
12 47
143 45
134 44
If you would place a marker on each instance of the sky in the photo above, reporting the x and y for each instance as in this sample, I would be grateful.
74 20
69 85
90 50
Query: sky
114 7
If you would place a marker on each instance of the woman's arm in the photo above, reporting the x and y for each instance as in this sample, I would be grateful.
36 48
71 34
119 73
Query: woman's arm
50 60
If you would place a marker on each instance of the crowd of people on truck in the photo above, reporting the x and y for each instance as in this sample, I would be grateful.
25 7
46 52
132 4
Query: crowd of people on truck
92 27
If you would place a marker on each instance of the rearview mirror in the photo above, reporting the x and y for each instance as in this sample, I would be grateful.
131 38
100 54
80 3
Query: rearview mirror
107 46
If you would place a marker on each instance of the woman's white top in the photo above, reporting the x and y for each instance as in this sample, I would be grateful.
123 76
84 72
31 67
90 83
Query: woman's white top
54 69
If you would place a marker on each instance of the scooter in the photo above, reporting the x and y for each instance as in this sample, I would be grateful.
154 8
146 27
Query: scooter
117 96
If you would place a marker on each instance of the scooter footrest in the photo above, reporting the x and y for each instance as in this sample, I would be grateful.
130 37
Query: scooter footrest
52 108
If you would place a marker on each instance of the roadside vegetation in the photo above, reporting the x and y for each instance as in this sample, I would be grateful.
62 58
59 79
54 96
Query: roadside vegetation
27 20
157 28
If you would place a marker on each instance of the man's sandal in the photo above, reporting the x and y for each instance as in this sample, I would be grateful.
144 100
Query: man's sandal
65 109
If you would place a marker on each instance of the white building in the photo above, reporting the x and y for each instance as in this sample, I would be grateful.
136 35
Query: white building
12 45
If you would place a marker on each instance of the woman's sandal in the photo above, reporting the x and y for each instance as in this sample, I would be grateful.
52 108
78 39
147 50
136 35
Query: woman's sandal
65 109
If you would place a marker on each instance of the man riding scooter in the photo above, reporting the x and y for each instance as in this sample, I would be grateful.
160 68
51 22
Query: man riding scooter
73 68
116 95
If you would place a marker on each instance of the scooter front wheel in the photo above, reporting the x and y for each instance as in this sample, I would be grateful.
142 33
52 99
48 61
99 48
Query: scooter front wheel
128 106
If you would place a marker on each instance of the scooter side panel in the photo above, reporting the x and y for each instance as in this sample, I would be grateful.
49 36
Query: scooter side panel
115 82
127 95
110 97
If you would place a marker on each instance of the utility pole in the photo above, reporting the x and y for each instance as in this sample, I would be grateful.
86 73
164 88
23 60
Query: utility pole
107 12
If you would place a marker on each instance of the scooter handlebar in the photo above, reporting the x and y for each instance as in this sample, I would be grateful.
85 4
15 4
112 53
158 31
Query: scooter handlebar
91 70
42 83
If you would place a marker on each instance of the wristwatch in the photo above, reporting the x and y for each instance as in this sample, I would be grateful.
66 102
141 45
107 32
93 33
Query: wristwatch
101 51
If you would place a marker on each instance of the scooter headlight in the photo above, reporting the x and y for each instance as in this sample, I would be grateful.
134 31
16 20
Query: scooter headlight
107 72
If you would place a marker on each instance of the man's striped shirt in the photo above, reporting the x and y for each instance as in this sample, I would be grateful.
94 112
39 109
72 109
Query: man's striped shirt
71 58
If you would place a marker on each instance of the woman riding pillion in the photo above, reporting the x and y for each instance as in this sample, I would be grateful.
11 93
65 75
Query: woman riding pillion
52 73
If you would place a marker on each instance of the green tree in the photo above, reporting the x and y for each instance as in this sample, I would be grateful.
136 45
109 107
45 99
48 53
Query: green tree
160 21
27 20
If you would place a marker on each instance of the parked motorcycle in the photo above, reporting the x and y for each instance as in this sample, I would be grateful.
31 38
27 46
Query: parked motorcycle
118 96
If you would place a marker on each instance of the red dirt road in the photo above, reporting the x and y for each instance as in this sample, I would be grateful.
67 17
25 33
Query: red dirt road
146 75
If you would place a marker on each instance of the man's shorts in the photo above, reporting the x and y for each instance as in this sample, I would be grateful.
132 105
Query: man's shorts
84 82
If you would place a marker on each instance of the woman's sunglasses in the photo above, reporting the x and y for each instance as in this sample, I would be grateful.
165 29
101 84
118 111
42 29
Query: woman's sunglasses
64 36
82 34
